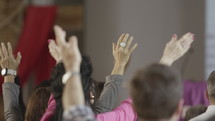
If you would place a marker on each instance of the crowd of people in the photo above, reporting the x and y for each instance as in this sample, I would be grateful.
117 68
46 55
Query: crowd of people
71 94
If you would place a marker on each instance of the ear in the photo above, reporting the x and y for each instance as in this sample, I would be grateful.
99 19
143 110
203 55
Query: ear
180 107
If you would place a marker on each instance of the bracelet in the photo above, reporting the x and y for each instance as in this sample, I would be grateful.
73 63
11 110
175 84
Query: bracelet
68 75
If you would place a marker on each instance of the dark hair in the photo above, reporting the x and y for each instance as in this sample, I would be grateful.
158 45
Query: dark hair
37 104
57 85
211 85
195 111
156 91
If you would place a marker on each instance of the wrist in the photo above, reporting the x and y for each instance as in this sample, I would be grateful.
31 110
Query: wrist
69 75
73 68
166 61
118 69
9 78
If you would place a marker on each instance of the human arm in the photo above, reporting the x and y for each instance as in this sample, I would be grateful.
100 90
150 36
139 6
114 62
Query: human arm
176 48
54 51
73 92
113 84
73 97
12 111
124 112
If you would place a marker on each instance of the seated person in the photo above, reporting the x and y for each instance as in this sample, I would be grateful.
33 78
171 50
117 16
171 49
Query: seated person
194 111
156 90
209 115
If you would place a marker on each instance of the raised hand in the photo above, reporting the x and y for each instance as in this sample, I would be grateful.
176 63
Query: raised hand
122 53
54 51
176 48
7 59
69 50
73 92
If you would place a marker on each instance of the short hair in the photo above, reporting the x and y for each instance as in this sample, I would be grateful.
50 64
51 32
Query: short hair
211 85
195 111
156 92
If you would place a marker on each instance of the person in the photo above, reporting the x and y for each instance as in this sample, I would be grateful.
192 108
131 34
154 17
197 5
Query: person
209 115
195 111
73 96
11 91
37 104
172 52
157 93
108 97
156 90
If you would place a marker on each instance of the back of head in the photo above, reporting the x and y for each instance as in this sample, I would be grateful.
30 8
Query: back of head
37 104
195 111
57 85
156 92
211 86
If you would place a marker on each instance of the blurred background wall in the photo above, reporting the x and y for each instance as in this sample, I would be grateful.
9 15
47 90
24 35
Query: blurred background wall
152 23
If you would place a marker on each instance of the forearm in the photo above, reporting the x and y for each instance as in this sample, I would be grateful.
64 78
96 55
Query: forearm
108 98
12 111
73 92
118 69
166 61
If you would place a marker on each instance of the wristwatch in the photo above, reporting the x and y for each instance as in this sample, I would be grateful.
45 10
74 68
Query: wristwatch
6 71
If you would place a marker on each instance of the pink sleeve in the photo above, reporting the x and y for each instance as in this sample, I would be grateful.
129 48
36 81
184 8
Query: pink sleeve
124 112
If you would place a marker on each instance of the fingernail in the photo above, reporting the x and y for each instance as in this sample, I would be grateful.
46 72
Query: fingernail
193 36
49 40
174 35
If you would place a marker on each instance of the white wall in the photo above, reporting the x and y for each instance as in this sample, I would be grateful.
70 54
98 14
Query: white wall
152 23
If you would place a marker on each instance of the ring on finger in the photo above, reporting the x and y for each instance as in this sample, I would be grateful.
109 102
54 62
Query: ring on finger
122 44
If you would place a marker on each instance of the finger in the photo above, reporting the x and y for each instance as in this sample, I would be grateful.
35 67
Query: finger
120 40
1 53
10 51
51 44
129 42
5 53
73 42
113 46
60 35
125 38
133 48
174 38
188 40
18 58
185 37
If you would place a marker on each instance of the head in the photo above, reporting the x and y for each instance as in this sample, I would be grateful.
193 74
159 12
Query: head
157 93
211 88
37 104
195 111
57 85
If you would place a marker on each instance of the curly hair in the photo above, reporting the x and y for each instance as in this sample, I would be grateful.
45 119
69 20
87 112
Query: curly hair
57 85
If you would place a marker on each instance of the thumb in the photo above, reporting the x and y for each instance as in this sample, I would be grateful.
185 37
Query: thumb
19 57
174 38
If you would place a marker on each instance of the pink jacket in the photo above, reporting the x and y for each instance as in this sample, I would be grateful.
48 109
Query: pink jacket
50 109
124 112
